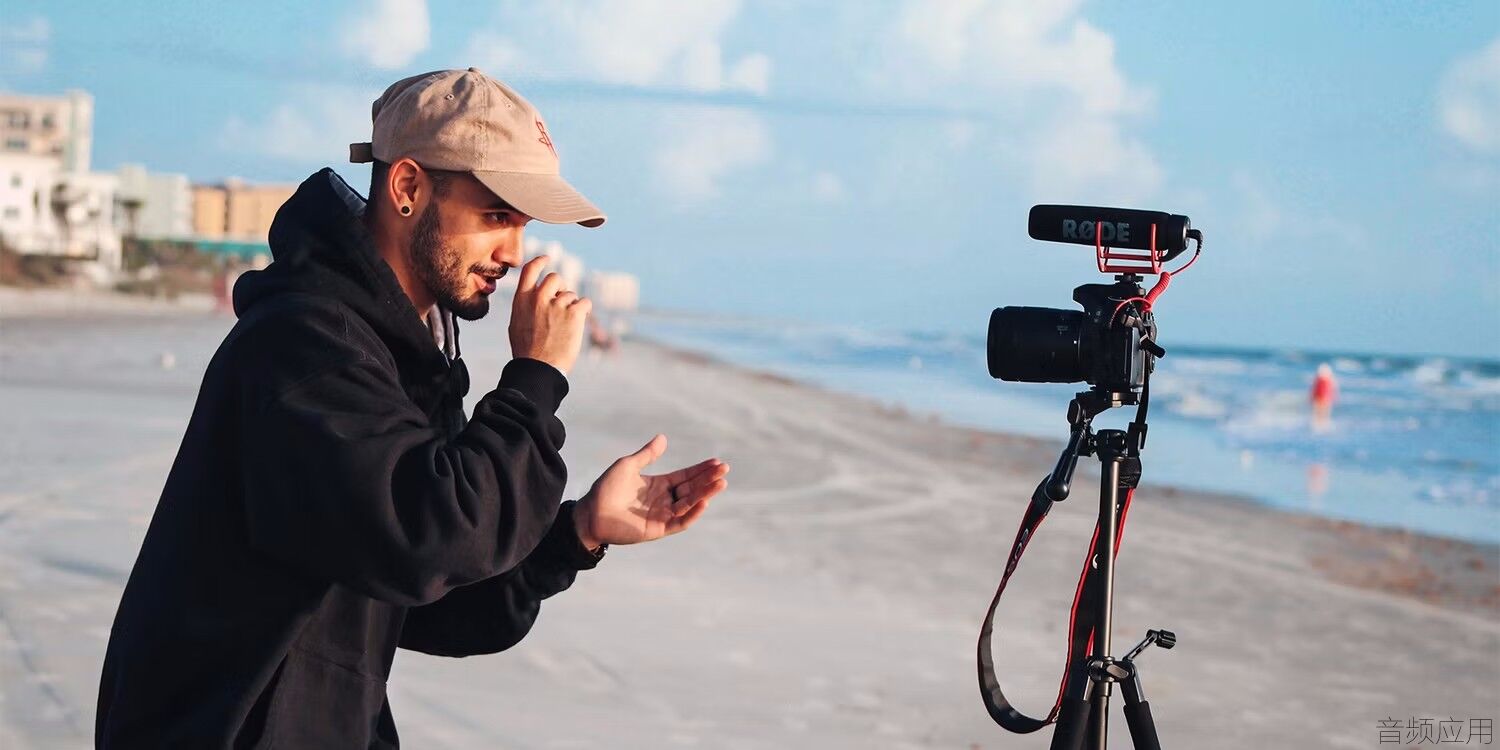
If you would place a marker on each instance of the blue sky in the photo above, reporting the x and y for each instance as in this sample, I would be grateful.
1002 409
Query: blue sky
872 163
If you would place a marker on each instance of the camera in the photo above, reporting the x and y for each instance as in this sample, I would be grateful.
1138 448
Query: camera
1110 343
1047 345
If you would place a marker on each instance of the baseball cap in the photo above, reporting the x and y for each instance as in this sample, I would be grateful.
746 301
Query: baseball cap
466 121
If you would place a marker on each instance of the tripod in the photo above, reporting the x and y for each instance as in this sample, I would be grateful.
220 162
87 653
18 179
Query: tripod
1082 710
1084 716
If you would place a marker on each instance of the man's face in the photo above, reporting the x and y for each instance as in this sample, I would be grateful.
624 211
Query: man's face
463 242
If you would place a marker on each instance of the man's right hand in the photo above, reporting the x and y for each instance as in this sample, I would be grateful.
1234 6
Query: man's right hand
546 320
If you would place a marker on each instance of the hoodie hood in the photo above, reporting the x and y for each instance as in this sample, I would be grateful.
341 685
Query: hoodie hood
320 246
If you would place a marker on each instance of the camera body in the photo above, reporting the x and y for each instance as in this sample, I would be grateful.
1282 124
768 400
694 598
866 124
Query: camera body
1110 352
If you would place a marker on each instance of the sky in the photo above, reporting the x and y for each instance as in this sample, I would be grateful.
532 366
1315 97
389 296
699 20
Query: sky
872 163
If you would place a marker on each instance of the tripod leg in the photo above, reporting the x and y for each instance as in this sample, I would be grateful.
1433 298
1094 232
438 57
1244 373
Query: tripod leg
1072 724
1142 726
1138 714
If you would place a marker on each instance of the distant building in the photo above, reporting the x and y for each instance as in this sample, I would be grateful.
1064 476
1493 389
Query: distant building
50 204
45 210
613 291
155 205
24 186
236 210
57 127
610 291
567 266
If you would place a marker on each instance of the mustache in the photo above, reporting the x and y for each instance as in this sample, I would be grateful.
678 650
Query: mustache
488 272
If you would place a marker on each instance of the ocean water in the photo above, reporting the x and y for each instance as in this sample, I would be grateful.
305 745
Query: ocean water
1414 442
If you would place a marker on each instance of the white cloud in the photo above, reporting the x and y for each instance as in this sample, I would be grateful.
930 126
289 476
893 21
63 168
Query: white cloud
388 35
491 52
1259 217
316 125
36 31
702 66
642 41
1468 176
828 188
959 133
656 43
1089 160
631 42
23 46
707 144
1469 100
1266 217
1017 46
752 73
1049 74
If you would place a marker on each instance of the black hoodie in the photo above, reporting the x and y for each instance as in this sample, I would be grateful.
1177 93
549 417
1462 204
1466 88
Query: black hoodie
329 504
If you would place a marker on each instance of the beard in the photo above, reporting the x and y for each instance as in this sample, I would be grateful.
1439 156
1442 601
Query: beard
441 268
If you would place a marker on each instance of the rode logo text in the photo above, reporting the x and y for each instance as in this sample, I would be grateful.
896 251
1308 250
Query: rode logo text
1106 231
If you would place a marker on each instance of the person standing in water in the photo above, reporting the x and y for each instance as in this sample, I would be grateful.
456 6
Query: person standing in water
1325 390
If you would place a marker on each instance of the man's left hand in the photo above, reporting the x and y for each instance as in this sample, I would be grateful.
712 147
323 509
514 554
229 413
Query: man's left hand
626 506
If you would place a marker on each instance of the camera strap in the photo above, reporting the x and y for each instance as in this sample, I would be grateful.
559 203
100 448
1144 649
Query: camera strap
1080 621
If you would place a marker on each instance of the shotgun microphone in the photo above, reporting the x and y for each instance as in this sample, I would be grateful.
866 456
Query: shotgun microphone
1128 228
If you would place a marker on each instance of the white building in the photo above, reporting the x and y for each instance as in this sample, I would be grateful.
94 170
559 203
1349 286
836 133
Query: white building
20 202
610 291
566 265
155 205
45 210
50 204
58 127
613 291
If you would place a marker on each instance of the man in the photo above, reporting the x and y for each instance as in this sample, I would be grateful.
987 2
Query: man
330 502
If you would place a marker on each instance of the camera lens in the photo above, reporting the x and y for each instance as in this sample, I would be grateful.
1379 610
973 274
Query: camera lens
1036 345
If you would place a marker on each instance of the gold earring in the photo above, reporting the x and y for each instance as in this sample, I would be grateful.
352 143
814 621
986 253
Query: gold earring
406 210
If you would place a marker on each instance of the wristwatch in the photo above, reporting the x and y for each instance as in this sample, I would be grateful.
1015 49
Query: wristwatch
580 553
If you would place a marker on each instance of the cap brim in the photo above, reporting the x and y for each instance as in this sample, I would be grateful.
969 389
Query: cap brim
544 197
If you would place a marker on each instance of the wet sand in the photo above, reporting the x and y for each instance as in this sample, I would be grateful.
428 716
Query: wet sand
830 598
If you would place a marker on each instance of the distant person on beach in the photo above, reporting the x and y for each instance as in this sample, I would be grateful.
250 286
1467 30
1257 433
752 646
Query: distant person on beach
221 287
601 340
224 278
1325 390
331 501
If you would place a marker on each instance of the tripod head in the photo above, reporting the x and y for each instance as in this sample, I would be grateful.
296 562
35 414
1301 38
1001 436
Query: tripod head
1083 442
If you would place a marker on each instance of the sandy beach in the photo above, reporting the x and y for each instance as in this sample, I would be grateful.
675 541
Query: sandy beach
830 598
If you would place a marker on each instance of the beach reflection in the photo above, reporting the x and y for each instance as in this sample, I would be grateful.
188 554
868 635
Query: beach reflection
1317 484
